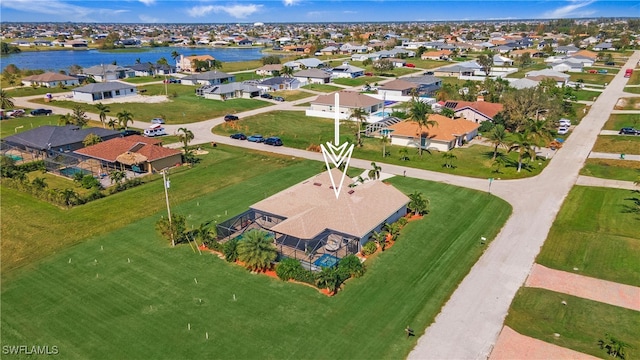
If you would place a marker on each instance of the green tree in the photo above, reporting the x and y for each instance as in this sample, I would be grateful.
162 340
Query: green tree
79 117
328 279
175 55
419 112
173 230
381 239
6 101
116 176
162 61
404 154
124 118
384 140
525 60
521 142
257 250
359 115
91 139
485 62
448 157
68 197
615 347
65 119
102 112
374 173
288 268
286 71
384 65
418 204
185 136
498 137
271 59
392 229
112 123
352 266
499 162
230 250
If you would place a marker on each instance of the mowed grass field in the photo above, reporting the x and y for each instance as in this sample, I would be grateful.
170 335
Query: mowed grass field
617 144
300 131
618 121
594 233
612 169
126 293
581 323
184 109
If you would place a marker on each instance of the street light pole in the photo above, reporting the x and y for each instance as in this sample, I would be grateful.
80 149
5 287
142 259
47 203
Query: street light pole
166 185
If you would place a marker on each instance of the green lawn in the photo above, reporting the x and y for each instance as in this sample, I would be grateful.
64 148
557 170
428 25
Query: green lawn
612 169
300 131
617 144
632 89
618 121
243 76
183 109
358 81
593 233
427 64
586 95
598 79
144 79
30 91
581 323
292 95
126 294
322 87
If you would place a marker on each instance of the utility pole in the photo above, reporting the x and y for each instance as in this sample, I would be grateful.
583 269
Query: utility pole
166 185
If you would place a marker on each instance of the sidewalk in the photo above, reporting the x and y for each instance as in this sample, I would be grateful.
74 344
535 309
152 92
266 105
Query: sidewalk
599 155
599 182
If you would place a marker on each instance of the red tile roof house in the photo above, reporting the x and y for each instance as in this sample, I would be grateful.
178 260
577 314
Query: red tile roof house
309 222
448 134
476 111
323 106
136 153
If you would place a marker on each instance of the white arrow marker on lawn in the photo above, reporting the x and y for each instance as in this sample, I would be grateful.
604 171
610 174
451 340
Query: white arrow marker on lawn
336 153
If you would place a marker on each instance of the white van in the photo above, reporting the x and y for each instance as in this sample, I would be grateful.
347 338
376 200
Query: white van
155 130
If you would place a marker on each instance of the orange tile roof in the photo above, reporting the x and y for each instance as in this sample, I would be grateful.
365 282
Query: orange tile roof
199 57
486 108
586 53
446 130
437 53
110 149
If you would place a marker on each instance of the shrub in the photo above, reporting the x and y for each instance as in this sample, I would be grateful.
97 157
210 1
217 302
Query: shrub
402 221
350 266
369 248
230 250
288 268
305 276
88 182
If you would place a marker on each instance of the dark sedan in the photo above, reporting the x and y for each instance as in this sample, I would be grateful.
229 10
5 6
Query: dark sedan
230 117
239 136
275 141
36 112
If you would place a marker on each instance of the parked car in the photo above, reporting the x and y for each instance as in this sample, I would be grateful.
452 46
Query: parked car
278 98
239 136
275 141
230 117
368 74
129 132
429 73
266 96
157 121
16 113
564 122
610 63
602 71
155 130
409 65
256 138
36 112
593 71
628 131
563 130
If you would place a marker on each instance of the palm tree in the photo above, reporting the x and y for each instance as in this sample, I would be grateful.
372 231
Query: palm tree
540 132
116 176
384 140
286 71
521 143
65 119
175 55
79 117
112 123
499 162
380 238
498 137
162 61
124 118
404 154
102 112
185 136
328 279
6 101
418 204
68 197
359 115
393 229
419 112
216 64
448 159
374 173
256 250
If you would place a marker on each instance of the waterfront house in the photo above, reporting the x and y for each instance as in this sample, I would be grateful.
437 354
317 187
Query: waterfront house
50 79
104 91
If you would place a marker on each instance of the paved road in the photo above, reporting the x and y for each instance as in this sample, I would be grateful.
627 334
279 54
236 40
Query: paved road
470 321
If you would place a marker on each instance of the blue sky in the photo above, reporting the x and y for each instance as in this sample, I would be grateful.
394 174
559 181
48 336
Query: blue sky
249 11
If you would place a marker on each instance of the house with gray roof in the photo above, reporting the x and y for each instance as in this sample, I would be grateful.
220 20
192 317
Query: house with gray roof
228 91
50 79
108 72
313 76
56 138
427 84
208 78
104 91
308 63
561 79
279 83
346 71
324 105
467 68
149 69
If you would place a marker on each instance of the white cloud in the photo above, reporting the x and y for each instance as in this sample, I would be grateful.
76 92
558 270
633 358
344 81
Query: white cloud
290 2
148 19
148 2
236 11
573 9
61 9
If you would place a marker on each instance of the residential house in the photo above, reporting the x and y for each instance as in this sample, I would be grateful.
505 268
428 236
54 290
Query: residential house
397 62
50 79
186 63
436 55
269 70
136 153
310 223
502 61
522 83
149 69
363 57
76 44
568 49
532 52
228 91
476 111
208 78
427 84
307 63
244 42
329 50
108 72
279 83
324 105
448 134
346 71
104 91
604 46
467 68
66 138
349 49
313 76
396 88
561 79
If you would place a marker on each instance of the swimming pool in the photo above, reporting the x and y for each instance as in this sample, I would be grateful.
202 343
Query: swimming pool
382 114
71 171
14 157
389 102
326 260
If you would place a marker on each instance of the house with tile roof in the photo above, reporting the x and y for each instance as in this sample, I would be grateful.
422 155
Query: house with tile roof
396 88
50 79
269 69
108 72
448 134
136 153
186 63
476 111
561 79
308 221
104 91
58 138
313 76
436 55
208 78
324 105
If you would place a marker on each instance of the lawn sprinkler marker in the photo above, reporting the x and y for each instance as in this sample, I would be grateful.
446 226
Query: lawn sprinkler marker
69 260
336 153
234 297
189 326
196 280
